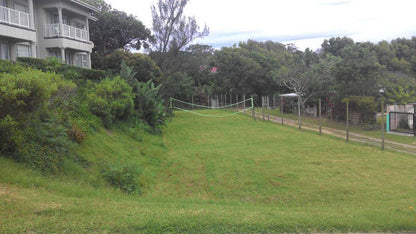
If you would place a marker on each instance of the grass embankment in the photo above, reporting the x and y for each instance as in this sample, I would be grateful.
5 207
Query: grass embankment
218 175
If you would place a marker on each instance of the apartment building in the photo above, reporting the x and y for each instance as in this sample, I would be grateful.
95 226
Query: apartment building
46 28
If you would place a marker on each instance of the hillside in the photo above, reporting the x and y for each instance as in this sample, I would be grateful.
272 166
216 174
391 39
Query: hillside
215 175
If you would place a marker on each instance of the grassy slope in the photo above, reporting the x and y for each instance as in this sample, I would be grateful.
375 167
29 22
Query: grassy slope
206 175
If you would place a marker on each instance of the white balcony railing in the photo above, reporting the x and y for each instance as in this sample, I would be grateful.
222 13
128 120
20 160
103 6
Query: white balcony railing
52 30
13 17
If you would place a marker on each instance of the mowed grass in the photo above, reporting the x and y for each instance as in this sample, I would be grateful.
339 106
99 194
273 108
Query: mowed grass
219 175
341 125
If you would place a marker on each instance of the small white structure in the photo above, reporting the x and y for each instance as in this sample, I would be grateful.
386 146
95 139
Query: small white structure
395 120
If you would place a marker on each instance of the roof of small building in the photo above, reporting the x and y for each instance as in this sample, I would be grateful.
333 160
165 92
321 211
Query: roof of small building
289 95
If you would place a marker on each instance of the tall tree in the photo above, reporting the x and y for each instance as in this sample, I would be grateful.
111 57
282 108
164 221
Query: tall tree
300 74
116 30
172 31
335 45
358 72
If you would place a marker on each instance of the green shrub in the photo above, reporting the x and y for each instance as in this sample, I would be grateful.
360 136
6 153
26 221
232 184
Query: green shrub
9 67
68 71
8 130
143 66
111 100
45 144
366 106
149 104
73 73
33 118
25 92
124 177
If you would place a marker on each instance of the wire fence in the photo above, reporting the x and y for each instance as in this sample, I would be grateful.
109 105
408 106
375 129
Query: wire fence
385 128
389 127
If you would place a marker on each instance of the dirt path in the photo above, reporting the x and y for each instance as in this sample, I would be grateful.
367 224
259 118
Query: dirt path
401 147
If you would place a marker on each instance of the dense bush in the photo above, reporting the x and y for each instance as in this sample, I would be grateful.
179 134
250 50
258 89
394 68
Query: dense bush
110 100
32 126
145 69
7 66
123 177
68 71
366 106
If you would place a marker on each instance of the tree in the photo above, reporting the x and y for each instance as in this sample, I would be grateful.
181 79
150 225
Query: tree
358 72
335 45
300 74
144 68
172 31
116 29
400 95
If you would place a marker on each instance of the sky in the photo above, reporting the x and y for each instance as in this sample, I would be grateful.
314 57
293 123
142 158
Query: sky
304 23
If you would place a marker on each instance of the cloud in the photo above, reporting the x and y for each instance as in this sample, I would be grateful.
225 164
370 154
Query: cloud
298 21
335 3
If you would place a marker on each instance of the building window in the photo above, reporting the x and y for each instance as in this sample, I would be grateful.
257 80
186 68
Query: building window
55 19
68 58
80 59
23 50
55 53
3 3
20 7
4 50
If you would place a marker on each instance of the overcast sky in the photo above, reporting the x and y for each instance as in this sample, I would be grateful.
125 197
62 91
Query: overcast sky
305 23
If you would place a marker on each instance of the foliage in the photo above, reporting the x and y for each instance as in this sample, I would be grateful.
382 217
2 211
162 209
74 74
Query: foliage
116 29
68 71
123 177
400 95
249 68
172 31
7 66
32 121
145 69
297 74
357 72
111 100
127 74
334 46
366 106
178 85
149 104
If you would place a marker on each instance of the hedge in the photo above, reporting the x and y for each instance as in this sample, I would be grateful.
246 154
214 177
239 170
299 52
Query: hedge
68 71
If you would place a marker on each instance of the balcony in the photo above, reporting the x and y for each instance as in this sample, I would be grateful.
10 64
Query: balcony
53 30
13 17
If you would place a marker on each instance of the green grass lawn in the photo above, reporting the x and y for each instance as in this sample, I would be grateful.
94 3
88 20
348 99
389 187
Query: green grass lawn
217 175
326 122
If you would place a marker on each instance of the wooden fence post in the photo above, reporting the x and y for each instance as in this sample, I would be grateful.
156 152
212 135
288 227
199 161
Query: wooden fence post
299 117
348 123
268 108
320 116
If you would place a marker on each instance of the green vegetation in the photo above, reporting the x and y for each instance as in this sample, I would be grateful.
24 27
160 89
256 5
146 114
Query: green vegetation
215 175
43 115
69 72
